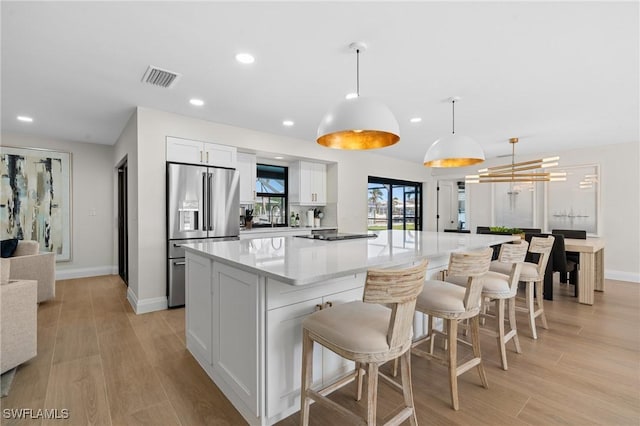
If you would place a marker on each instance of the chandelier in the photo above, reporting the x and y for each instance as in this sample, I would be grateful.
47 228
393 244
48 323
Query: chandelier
525 171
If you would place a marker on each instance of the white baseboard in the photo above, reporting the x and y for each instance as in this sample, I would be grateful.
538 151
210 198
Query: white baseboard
622 276
146 305
67 274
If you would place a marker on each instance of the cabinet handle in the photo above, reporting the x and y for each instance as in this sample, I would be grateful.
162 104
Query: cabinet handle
318 307
201 156
207 156
328 305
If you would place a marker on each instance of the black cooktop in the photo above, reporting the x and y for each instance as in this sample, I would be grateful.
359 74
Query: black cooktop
336 236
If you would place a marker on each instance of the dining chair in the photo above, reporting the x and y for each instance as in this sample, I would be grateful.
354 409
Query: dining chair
453 303
370 332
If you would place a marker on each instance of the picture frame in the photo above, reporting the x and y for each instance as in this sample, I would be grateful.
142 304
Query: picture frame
575 202
36 200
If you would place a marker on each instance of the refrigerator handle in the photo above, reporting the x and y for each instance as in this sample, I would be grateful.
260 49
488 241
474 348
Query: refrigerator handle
210 189
205 201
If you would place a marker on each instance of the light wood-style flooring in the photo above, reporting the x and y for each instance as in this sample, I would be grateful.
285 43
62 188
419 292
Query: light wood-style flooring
108 366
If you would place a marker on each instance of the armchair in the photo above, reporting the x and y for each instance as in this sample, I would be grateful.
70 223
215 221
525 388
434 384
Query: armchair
18 319
28 264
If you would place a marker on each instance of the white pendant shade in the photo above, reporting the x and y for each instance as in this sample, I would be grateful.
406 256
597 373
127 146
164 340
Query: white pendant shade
454 151
358 123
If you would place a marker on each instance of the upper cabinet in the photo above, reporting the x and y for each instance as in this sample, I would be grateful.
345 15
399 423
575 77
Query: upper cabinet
204 153
308 183
247 169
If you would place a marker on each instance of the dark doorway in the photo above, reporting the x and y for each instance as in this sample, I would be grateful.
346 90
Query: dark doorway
123 230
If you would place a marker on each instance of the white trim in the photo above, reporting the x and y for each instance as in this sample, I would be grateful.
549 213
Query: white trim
633 277
146 305
67 274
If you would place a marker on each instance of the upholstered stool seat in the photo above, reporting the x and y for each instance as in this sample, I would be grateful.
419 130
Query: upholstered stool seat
494 284
371 332
366 334
441 299
529 271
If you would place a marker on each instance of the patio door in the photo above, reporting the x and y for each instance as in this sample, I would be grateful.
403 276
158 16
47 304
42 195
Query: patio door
394 204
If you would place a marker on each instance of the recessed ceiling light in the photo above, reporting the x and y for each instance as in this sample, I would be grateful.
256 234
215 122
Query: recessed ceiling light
196 102
25 119
351 96
279 158
415 120
245 58
287 123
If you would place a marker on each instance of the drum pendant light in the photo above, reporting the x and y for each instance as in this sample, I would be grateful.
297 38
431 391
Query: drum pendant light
454 150
358 123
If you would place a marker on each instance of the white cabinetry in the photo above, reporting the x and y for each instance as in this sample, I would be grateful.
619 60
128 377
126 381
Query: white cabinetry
204 153
284 341
248 171
308 183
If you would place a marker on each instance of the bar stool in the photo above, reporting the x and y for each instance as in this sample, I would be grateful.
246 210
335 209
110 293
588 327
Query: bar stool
533 276
453 303
369 334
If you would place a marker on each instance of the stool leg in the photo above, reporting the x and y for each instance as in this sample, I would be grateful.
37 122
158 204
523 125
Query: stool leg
502 346
512 323
360 373
539 298
531 309
475 341
307 374
433 337
372 392
407 389
452 349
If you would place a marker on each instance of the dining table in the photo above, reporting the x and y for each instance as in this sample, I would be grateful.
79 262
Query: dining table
591 269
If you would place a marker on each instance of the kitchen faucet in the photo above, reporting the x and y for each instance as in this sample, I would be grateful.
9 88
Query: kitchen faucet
274 209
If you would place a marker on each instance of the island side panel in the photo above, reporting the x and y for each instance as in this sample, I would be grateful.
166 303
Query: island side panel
198 309
236 356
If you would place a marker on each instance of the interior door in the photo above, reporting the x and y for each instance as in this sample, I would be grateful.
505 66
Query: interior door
447 214
123 232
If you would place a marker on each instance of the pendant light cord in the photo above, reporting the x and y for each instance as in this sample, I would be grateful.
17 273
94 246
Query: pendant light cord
453 109
358 72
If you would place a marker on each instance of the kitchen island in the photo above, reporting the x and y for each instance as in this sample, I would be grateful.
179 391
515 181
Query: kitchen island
245 302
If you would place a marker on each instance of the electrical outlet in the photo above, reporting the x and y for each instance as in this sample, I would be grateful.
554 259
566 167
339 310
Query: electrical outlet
92 212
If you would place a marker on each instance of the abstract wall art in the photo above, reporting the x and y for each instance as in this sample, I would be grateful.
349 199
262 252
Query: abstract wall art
35 198
575 203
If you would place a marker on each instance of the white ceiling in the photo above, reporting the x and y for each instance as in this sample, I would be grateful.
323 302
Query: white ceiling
557 75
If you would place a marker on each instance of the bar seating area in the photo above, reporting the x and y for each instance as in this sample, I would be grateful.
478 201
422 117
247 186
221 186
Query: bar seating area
473 287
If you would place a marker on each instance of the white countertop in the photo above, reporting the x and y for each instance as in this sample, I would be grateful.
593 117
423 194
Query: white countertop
299 261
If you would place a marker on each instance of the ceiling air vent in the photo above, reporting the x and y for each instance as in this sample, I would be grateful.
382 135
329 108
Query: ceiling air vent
159 77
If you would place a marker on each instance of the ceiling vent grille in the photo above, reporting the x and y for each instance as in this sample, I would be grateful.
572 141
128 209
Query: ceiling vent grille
159 77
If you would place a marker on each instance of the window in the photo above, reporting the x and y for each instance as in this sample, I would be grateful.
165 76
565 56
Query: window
270 208
394 204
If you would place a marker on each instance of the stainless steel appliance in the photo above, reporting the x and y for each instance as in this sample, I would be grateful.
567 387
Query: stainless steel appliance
202 204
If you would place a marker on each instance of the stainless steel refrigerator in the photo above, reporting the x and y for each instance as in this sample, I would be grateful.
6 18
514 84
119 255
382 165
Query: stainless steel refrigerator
203 203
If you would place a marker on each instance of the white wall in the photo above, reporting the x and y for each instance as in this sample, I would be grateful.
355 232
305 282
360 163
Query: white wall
91 182
351 173
619 201
126 148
